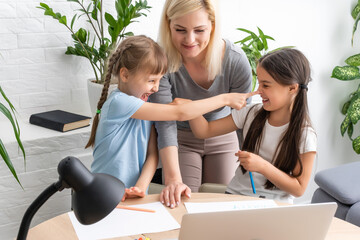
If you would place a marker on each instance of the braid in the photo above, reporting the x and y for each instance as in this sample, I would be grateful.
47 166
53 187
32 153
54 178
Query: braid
112 61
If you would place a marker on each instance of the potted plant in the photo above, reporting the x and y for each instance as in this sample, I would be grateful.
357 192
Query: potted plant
93 43
351 108
255 46
10 115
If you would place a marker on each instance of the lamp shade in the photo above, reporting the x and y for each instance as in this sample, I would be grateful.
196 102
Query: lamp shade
95 195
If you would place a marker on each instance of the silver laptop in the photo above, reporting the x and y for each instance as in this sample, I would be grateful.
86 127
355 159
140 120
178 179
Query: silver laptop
295 222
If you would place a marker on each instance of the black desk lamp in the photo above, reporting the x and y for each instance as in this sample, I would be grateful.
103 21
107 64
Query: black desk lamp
94 195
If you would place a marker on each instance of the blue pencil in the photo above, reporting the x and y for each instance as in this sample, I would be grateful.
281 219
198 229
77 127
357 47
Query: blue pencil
252 182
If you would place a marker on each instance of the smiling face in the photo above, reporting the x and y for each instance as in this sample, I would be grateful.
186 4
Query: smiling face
140 85
190 34
275 97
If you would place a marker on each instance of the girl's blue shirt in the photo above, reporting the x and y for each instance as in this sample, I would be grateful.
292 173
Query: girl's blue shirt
121 141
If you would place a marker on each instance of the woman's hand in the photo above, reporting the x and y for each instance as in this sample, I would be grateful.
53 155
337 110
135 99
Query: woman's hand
250 161
171 194
238 100
133 192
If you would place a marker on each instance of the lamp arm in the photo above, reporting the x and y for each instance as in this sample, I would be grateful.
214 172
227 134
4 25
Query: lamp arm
34 207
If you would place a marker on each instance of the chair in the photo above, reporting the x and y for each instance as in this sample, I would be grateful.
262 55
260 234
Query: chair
341 185
155 188
212 188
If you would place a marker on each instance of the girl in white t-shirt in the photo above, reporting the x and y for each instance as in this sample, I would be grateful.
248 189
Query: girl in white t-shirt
280 143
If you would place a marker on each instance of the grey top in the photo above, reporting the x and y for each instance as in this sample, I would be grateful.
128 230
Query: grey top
235 77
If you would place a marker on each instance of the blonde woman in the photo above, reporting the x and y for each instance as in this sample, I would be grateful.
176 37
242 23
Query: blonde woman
201 65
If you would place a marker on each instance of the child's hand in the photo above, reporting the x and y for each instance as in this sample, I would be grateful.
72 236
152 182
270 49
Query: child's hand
250 161
178 101
133 192
238 100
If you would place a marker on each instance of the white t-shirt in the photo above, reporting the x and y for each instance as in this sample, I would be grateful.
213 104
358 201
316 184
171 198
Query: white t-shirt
240 184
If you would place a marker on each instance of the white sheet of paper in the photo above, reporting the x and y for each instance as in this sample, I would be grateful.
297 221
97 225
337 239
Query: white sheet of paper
121 222
227 206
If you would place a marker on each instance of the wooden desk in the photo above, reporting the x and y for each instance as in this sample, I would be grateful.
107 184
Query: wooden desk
60 227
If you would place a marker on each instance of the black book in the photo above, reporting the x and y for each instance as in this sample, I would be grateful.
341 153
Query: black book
59 120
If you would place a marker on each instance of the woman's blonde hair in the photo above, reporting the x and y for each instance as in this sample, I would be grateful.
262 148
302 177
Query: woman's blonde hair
177 8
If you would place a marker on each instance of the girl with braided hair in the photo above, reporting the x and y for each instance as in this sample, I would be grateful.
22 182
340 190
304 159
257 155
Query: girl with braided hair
122 134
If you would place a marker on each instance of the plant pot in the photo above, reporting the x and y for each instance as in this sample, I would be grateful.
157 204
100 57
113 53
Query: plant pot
94 93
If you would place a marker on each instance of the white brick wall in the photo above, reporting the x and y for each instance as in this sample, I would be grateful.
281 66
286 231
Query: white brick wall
32 59
34 70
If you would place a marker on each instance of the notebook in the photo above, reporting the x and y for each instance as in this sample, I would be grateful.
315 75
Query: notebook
295 222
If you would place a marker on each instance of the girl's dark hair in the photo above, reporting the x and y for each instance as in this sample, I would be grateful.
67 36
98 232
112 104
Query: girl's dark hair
136 54
286 67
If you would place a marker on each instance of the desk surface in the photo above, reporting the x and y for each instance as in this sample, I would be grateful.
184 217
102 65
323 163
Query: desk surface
60 227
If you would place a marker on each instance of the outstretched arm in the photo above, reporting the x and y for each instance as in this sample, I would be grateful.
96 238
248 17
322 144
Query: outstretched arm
190 110
203 129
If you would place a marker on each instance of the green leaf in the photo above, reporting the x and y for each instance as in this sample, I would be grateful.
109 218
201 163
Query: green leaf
81 34
73 21
129 34
124 4
268 37
245 30
62 20
244 39
94 12
10 115
58 16
103 50
354 110
253 82
119 8
49 12
44 6
356 145
117 29
346 73
110 19
345 107
354 28
355 11
353 60
350 130
70 51
6 158
344 125
263 38
14 123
